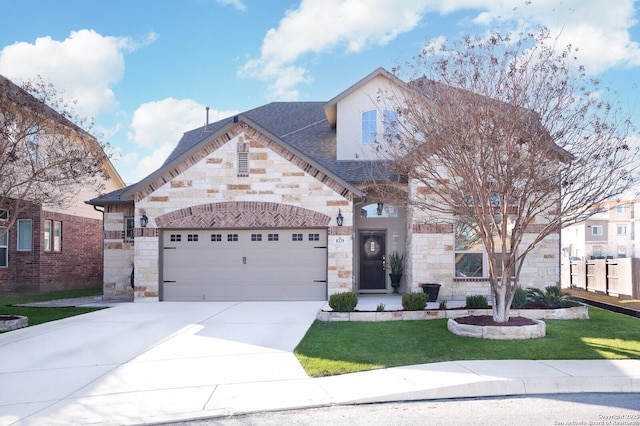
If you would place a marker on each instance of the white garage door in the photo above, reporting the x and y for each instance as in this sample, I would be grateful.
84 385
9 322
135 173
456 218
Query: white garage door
266 264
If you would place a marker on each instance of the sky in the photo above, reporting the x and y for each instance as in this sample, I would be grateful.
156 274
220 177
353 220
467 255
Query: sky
145 70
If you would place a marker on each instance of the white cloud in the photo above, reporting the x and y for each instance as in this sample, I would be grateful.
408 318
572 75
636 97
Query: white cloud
157 127
319 26
238 4
82 67
600 29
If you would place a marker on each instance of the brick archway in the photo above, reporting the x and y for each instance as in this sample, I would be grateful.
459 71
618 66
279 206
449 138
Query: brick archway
243 214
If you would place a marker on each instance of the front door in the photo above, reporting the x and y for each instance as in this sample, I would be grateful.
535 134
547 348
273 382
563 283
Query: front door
372 260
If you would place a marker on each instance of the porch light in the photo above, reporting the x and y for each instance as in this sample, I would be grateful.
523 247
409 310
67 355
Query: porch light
144 220
339 218
379 209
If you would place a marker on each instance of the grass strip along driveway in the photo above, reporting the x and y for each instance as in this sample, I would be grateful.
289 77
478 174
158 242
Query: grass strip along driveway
331 348
39 315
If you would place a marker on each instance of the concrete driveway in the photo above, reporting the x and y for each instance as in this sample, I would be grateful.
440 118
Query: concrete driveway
141 362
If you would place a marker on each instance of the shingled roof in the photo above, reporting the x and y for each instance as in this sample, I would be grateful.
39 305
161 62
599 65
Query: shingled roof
301 125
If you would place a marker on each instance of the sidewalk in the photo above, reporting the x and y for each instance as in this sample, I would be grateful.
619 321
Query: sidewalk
138 363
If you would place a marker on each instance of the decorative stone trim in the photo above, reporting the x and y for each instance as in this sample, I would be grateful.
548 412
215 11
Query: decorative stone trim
577 312
497 332
241 214
255 137
433 228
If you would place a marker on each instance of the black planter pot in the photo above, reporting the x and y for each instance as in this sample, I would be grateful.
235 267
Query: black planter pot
395 281
432 290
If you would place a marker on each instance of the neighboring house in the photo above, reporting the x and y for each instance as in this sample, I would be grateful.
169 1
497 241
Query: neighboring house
272 204
53 248
609 233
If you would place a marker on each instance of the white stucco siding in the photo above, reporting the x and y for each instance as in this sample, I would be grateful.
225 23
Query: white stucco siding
349 119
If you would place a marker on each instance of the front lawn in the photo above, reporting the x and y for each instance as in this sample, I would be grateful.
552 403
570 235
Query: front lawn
42 315
331 348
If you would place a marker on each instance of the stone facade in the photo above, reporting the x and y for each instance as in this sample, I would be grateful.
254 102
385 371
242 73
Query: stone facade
275 181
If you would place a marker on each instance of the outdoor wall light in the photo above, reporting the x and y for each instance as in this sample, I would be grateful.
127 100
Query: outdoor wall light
379 209
339 218
144 220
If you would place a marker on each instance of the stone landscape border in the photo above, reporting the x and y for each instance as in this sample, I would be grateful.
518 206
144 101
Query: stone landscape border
577 312
13 322
497 332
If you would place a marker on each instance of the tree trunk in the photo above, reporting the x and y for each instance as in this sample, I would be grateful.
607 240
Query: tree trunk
502 294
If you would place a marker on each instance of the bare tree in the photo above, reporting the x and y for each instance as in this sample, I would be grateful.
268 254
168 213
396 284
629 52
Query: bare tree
45 158
506 137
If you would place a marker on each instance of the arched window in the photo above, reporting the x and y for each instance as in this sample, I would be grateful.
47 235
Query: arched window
378 210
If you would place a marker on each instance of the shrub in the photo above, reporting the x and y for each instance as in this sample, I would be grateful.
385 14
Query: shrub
414 301
519 298
343 302
477 301
380 307
552 297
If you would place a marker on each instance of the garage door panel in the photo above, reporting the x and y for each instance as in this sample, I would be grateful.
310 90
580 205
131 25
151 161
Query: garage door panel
268 264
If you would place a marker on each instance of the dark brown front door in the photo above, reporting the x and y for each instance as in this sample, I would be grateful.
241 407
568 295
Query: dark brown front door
372 260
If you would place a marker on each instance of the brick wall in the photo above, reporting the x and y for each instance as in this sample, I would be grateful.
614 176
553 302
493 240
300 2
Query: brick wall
79 264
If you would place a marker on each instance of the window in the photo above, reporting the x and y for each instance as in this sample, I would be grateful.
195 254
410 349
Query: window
192 237
622 252
597 252
273 237
256 237
596 230
48 225
296 237
32 144
4 248
390 124
378 210
621 208
216 237
314 237
4 214
369 125
232 237
129 227
57 235
622 229
471 258
176 237
24 234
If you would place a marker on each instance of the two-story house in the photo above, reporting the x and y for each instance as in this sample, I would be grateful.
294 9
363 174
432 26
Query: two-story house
48 247
608 233
274 204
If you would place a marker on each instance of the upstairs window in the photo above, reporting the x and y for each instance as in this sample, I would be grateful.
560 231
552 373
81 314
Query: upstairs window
373 125
369 126
596 230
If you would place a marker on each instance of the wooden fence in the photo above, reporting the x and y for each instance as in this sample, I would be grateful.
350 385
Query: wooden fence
617 277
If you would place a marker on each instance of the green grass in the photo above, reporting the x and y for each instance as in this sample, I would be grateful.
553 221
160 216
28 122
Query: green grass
42 315
331 348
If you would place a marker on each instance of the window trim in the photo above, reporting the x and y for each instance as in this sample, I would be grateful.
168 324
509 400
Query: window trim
47 233
4 245
127 220
19 240
57 236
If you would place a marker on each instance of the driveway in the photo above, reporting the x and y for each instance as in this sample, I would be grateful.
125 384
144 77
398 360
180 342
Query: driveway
141 362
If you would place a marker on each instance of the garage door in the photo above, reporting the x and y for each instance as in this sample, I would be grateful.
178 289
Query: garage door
269 264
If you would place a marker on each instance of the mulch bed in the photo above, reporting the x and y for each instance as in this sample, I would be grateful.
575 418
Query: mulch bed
488 320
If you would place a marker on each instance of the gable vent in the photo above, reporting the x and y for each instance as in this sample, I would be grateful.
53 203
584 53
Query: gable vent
243 164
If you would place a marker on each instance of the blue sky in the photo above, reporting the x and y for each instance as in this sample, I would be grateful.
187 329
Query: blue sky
145 70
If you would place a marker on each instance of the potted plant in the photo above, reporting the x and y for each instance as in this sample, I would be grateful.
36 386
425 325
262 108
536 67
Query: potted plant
396 265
